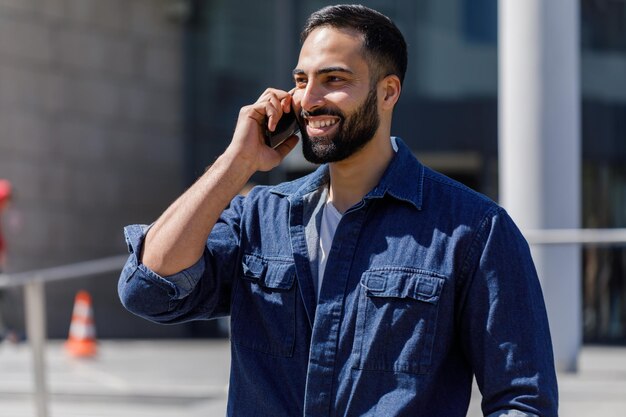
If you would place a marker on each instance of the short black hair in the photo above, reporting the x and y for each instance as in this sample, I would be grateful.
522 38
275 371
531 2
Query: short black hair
383 43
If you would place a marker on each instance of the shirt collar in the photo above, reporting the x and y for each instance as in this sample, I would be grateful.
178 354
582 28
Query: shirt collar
403 179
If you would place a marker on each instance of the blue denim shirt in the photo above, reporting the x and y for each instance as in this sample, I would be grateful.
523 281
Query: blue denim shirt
427 284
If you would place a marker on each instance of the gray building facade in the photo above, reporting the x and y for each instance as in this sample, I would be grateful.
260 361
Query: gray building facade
91 138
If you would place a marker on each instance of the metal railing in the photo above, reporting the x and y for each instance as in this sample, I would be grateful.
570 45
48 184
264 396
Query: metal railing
34 289
576 236
35 307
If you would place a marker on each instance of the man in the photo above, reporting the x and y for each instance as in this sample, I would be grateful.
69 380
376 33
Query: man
371 287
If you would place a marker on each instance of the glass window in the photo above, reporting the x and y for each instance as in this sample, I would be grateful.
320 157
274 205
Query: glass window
603 85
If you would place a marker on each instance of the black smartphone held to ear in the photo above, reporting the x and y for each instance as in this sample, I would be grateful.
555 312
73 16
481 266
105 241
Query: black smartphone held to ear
286 126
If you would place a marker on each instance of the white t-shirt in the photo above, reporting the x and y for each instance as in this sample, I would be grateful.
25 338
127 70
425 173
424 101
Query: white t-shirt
328 226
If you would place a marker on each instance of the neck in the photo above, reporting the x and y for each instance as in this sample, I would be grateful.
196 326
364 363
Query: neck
352 178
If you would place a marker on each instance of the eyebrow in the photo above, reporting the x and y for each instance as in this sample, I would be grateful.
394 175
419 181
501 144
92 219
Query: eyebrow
325 70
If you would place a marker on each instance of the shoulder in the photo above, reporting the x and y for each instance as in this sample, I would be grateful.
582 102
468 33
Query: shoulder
443 193
456 207
441 184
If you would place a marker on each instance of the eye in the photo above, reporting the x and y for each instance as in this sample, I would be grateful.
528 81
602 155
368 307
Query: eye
300 82
334 79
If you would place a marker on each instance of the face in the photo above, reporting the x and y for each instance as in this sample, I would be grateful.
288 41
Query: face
334 99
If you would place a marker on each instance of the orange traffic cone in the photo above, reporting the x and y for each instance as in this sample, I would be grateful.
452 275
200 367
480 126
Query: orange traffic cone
82 337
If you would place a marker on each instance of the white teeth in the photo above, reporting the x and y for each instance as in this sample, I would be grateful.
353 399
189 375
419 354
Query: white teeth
321 123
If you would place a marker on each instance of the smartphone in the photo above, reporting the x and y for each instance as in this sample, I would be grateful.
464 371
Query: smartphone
286 126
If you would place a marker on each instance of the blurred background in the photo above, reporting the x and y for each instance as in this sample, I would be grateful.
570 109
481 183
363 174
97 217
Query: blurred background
109 109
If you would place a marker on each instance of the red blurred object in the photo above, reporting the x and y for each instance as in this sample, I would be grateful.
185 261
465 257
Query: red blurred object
5 190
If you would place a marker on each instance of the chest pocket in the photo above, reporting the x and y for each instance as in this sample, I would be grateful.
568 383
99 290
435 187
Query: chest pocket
396 320
264 301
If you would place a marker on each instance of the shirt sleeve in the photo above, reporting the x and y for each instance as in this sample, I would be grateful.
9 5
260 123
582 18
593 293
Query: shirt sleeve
202 291
504 325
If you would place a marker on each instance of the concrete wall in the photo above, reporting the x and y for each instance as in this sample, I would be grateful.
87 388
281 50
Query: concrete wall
90 135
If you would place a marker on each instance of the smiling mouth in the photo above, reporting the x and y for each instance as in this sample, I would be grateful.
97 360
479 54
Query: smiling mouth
320 125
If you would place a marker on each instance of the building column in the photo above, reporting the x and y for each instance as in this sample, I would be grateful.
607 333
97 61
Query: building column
539 149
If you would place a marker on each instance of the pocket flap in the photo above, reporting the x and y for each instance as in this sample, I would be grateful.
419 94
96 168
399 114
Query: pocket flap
419 285
270 273
280 275
253 267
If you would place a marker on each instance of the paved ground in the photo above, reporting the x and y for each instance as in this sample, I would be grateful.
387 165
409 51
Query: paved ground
126 379
189 379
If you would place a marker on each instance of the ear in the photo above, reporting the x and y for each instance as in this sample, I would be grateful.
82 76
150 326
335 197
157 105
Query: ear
390 89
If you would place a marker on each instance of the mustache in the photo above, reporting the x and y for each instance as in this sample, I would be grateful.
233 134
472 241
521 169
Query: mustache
321 112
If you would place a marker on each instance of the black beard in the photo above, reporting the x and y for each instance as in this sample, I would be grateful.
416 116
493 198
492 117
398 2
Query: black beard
353 133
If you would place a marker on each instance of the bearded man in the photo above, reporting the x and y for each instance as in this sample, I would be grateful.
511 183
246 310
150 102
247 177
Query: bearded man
373 286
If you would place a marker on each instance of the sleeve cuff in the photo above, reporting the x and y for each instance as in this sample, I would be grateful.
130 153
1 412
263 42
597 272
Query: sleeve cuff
182 283
135 234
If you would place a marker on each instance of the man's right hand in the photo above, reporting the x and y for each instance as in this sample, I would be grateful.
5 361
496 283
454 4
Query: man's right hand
248 143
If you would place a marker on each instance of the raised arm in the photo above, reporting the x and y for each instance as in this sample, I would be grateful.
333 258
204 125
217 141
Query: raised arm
177 239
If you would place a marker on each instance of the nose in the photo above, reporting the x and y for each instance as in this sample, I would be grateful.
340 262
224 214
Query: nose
311 97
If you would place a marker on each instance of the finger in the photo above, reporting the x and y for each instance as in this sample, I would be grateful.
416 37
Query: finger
280 94
286 103
274 111
256 112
